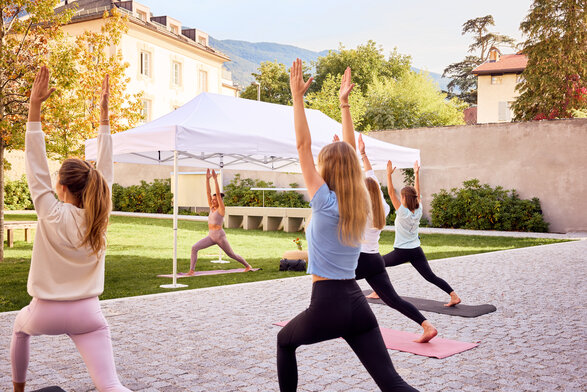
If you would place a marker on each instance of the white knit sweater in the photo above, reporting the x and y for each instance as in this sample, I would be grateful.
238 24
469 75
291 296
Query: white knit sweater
62 269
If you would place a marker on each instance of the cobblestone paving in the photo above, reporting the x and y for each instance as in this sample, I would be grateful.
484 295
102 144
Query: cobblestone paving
221 339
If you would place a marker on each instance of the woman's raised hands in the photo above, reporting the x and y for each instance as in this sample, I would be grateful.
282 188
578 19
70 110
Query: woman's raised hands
41 91
296 81
345 86
208 174
361 144
105 99
416 167
390 168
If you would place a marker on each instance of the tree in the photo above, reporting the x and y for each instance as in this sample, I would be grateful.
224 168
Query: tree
274 80
79 65
367 62
460 72
411 101
327 101
26 27
554 83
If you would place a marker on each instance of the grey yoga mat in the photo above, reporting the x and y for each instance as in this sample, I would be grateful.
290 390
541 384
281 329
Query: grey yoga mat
429 305
50 389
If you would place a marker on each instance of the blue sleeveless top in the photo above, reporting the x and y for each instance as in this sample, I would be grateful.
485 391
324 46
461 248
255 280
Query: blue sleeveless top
327 256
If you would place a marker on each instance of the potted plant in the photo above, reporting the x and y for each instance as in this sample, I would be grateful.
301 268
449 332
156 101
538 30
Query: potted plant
298 254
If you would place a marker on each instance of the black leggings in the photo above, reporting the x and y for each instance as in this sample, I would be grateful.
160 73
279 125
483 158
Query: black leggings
337 309
417 258
372 268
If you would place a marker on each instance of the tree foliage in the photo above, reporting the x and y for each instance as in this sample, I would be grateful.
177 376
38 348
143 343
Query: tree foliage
411 101
273 78
460 72
79 65
26 27
554 83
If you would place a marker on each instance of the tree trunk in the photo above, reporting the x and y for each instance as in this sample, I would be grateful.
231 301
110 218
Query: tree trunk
1 199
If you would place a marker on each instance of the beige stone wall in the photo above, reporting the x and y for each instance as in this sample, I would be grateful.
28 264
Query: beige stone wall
546 159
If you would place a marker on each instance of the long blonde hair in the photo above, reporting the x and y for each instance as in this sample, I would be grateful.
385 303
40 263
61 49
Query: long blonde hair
377 210
91 192
340 169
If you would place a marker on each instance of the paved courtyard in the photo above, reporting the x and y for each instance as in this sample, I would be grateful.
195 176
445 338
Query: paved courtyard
221 339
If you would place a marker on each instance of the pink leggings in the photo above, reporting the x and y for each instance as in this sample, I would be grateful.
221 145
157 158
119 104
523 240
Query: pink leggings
215 237
83 321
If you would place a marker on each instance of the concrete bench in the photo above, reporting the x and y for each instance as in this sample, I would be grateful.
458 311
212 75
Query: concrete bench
15 225
269 218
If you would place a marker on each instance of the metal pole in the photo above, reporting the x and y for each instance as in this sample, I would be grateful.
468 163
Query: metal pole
174 285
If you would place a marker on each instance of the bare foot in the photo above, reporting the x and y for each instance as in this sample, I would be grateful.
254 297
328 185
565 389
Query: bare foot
373 295
429 332
247 269
454 300
191 273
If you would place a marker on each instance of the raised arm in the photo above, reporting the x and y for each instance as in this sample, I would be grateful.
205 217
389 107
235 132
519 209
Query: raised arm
366 163
390 191
218 195
208 191
37 169
104 160
348 130
298 87
417 179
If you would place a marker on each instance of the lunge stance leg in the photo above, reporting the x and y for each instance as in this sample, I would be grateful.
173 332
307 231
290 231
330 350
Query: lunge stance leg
201 244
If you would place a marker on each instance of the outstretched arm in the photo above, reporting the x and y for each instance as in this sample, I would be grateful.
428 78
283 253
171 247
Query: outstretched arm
348 130
218 195
37 169
417 179
104 160
298 87
208 191
394 200
366 164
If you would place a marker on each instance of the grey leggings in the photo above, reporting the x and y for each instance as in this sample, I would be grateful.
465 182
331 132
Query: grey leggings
215 237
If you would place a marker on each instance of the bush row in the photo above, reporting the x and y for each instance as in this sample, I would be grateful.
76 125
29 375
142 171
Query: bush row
153 197
239 193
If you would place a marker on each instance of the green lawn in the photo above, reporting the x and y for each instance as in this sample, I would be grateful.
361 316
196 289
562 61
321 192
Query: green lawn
139 249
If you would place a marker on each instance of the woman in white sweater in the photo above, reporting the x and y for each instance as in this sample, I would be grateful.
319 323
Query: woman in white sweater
67 265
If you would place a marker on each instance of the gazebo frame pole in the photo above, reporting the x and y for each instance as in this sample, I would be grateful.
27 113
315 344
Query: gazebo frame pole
174 284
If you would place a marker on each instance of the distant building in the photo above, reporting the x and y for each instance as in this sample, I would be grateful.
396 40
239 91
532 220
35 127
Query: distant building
170 63
496 85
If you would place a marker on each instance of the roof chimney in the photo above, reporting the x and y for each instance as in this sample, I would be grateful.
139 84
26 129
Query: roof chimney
494 54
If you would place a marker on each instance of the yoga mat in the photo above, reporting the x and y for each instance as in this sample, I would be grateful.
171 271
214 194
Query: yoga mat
49 389
429 305
213 272
404 341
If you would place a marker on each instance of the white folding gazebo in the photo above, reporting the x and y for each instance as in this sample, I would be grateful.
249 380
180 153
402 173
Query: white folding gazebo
216 131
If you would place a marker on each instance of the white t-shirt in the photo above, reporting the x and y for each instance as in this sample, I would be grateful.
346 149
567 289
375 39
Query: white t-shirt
371 236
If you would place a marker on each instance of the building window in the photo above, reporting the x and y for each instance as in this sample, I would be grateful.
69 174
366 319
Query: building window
145 64
142 16
174 29
202 41
176 73
203 81
495 79
147 109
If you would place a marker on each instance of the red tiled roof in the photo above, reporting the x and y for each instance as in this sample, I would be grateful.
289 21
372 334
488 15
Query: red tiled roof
508 63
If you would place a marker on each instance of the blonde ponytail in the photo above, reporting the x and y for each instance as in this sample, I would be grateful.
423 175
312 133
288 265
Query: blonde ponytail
91 192
377 210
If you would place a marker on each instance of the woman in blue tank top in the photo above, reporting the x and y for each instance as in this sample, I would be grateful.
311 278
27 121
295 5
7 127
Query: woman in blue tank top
340 207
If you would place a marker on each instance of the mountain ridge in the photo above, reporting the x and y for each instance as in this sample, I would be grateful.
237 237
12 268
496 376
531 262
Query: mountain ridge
247 56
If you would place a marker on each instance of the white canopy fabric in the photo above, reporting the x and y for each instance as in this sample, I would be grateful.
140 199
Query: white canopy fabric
215 131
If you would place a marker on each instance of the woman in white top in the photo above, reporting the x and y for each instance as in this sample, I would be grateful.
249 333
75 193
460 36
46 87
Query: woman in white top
67 265
407 242
371 265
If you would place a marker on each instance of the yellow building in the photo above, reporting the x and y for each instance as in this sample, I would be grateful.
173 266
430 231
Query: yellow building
496 86
171 64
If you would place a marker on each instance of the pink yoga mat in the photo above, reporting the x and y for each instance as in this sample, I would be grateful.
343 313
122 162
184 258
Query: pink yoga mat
404 341
213 272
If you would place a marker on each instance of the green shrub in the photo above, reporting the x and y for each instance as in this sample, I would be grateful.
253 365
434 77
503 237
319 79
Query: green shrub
17 195
481 207
153 197
239 193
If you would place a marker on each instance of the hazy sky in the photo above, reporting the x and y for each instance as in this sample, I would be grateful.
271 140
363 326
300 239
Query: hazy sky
428 30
